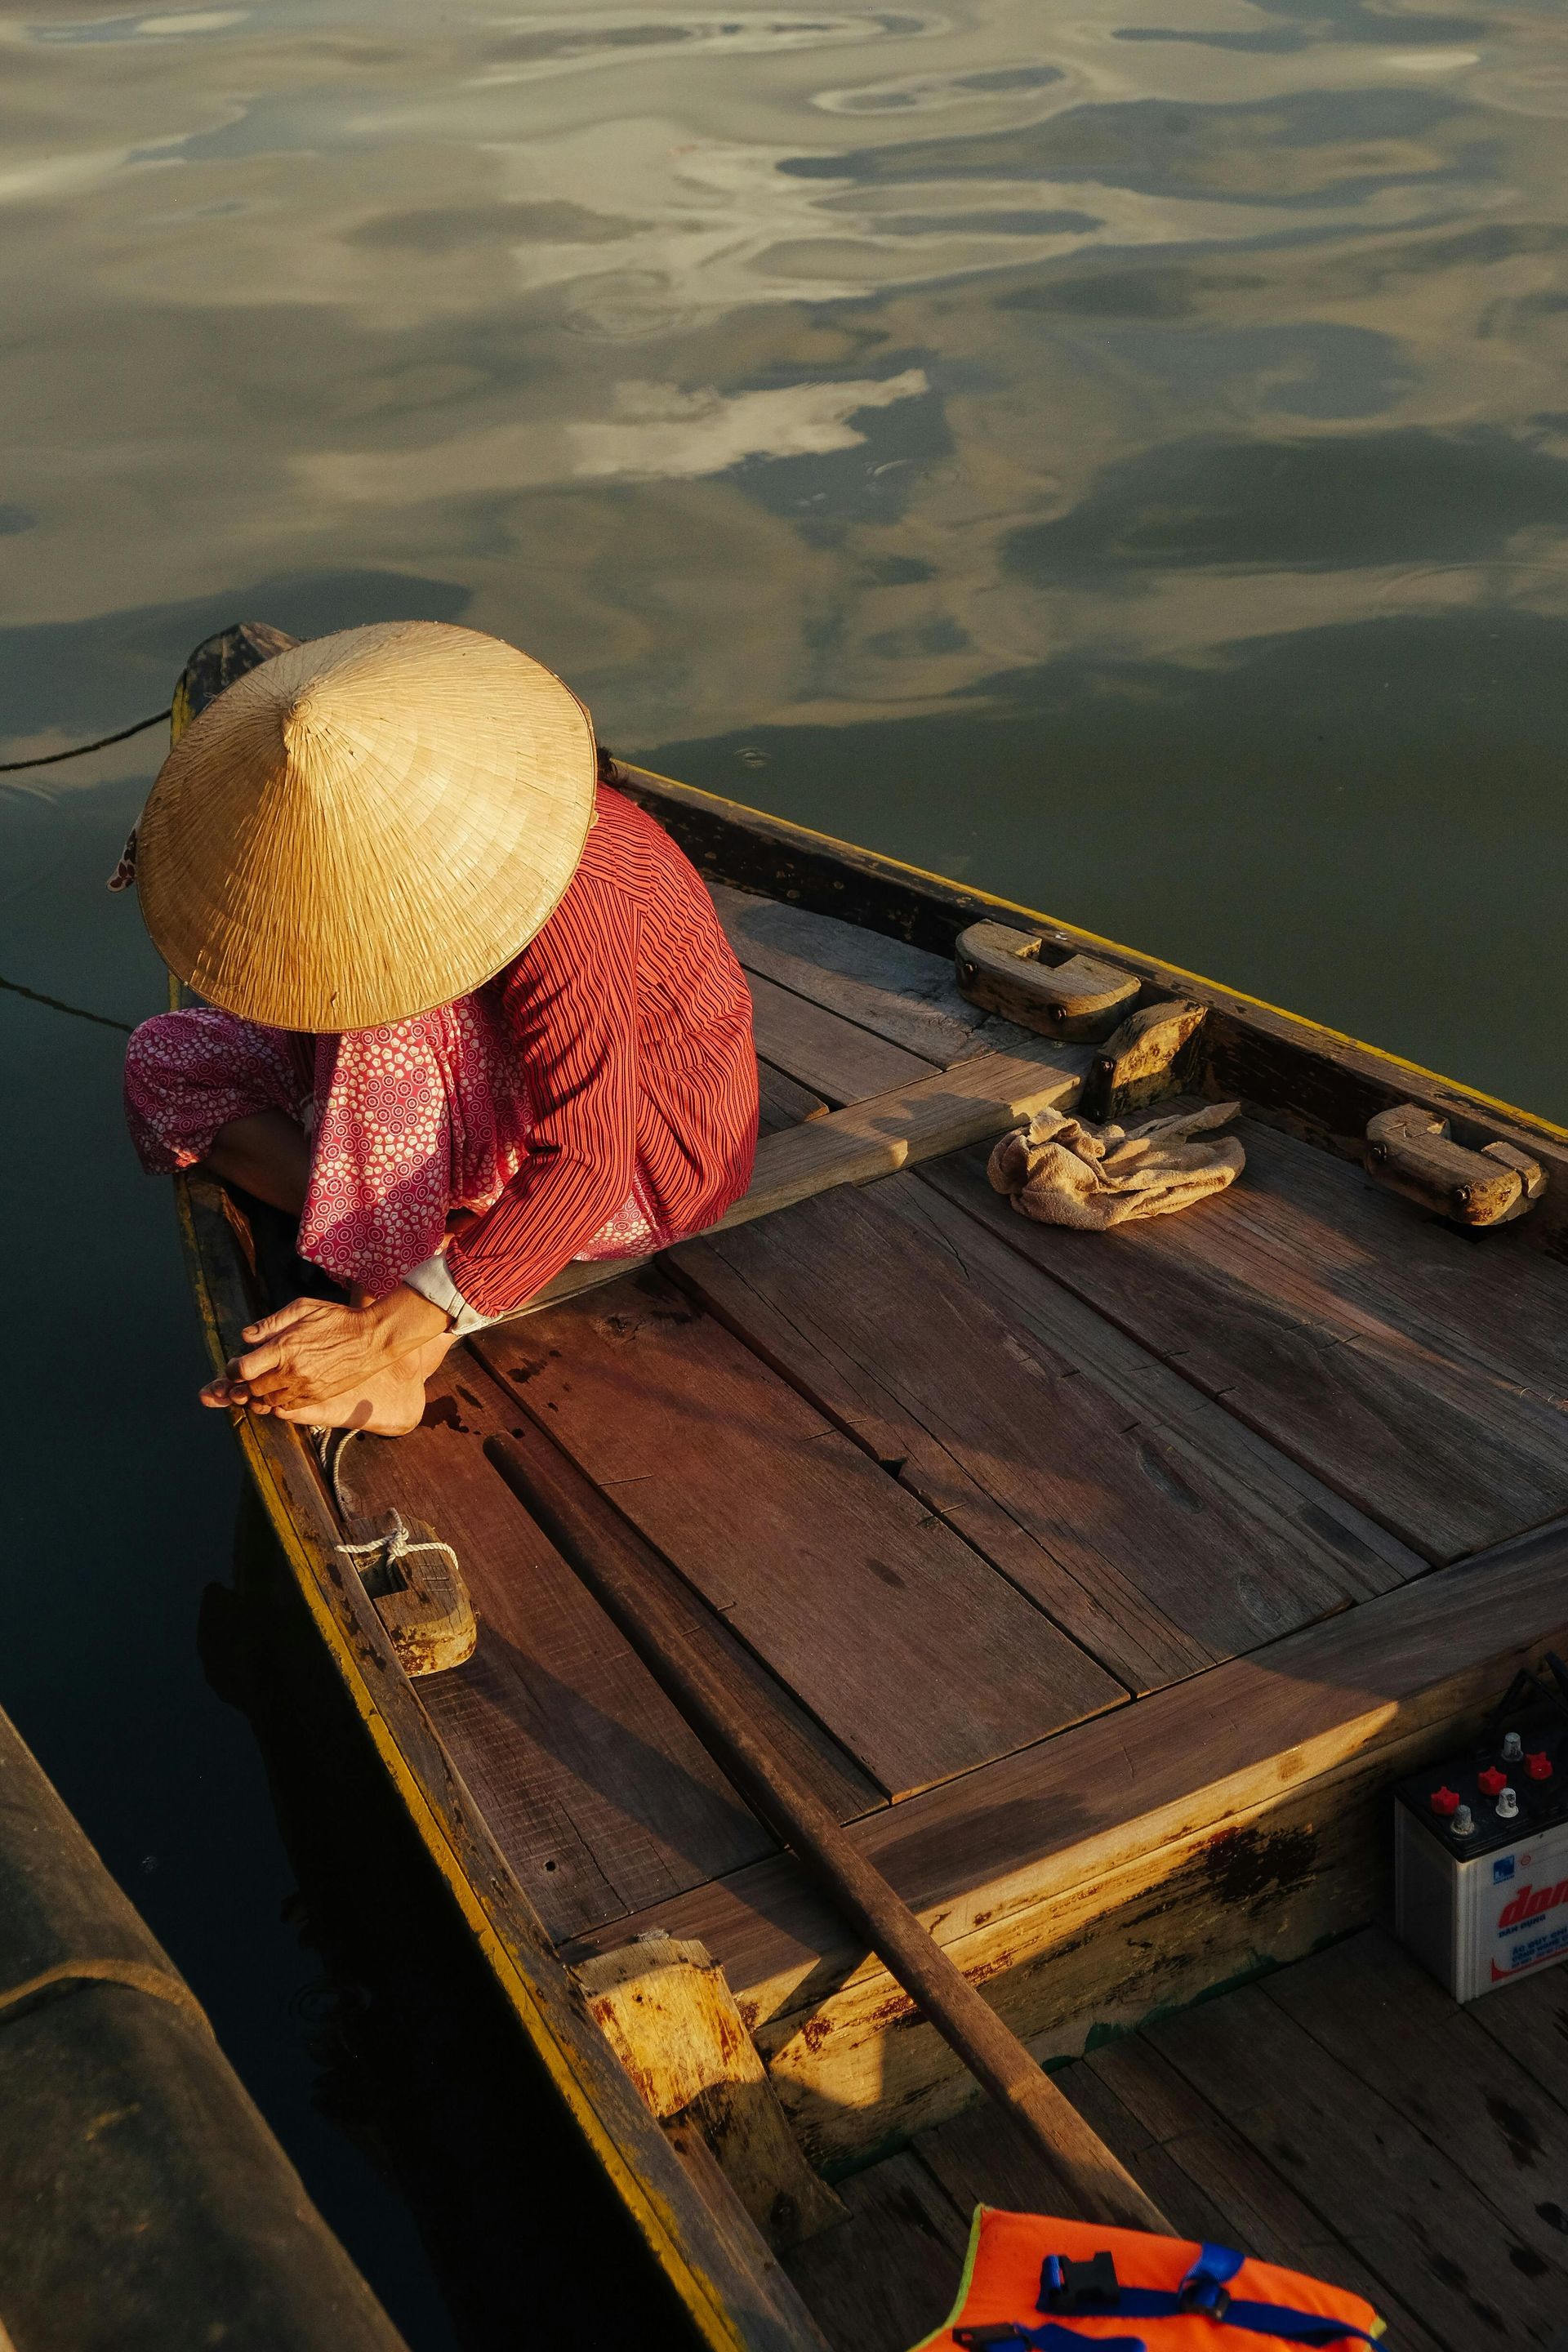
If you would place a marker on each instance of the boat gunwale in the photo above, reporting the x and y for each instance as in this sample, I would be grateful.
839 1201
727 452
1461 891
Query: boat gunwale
681 2231
939 908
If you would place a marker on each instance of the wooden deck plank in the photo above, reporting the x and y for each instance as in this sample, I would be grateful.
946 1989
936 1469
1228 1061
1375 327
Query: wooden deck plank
903 993
1256 2208
783 1101
1369 1556
887 2276
1398 2200
1378 2012
823 1051
590 1781
1137 1860
1529 2020
1246 1296
1159 1559
918 1657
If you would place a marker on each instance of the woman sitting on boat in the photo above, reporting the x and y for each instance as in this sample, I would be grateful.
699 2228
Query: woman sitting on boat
468 1013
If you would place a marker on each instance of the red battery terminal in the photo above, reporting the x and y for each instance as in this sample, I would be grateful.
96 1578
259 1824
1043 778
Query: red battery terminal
1445 1800
1492 1780
1537 1764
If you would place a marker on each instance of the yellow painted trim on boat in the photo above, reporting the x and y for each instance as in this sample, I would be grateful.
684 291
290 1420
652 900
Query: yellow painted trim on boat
660 2226
1117 947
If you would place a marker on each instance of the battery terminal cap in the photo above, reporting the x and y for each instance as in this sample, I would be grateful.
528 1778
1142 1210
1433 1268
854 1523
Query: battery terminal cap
1445 1800
1464 1822
1492 1781
1512 1747
1508 1805
1537 1764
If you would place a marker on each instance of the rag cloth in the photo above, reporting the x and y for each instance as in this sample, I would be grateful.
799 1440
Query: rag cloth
1064 1171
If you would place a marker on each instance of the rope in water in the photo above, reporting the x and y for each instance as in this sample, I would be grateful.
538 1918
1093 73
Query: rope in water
80 751
58 1004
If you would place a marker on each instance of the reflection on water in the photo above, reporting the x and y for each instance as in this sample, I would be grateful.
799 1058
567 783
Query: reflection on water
1048 381
1119 453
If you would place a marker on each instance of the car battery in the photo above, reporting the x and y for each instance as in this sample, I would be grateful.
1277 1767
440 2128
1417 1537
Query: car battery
1480 1855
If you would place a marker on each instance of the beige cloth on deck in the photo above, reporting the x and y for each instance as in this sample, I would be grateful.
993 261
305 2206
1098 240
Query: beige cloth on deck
1063 1172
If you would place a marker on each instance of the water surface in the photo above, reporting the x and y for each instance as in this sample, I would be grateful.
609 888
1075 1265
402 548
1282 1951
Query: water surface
1117 454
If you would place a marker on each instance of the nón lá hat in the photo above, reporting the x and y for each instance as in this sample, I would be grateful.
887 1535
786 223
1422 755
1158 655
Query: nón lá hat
366 825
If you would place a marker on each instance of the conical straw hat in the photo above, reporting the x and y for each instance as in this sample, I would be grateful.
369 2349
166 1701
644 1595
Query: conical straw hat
366 825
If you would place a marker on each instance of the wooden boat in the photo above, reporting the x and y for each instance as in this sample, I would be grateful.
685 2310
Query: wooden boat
1102 1584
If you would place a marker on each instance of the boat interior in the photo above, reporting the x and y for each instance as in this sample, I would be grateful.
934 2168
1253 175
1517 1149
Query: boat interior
1101 1583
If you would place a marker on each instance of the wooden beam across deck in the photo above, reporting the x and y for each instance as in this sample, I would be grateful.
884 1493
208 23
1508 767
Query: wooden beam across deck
1134 1861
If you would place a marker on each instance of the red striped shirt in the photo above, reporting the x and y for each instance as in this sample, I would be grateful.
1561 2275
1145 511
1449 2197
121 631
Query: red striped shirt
632 1022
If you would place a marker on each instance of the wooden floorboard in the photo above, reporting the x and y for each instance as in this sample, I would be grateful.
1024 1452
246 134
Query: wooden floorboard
1288 1298
1151 1542
1369 2005
783 1101
823 1051
1529 2020
887 2277
1135 1860
903 993
918 1657
1398 2200
589 1780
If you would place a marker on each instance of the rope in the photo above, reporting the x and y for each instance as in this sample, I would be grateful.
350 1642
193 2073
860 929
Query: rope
80 751
396 1546
58 1004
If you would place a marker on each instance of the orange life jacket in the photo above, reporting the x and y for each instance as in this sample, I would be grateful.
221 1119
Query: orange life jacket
1031 2284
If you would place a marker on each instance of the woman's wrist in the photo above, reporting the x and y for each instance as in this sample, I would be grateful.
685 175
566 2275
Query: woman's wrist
404 1320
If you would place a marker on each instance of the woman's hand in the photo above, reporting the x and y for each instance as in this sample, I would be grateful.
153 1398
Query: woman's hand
314 1359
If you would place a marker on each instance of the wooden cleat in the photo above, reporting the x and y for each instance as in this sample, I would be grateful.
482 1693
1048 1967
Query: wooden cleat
1082 998
1412 1151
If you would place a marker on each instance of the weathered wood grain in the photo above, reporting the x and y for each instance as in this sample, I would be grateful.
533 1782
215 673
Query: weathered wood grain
1115 1525
1136 1860
1529 2020
822 1050
1374 2177
1255 2208
900 993
1417 1375
672 2021
1001 968
1374 2010
598 1792
1370 1559
912 1651
783 1101
889 2277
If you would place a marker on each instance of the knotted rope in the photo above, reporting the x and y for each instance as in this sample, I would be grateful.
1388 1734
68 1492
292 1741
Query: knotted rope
397 1543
